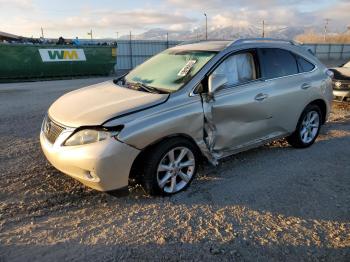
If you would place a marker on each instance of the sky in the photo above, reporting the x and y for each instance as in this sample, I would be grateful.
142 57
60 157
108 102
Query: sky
109 19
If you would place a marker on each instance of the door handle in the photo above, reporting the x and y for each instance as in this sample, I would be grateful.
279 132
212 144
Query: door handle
260 97
305 86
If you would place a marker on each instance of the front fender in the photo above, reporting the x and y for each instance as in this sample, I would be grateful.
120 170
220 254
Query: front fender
176 116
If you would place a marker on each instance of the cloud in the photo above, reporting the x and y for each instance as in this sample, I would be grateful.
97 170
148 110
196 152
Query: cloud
212 5
276 13
172 15
178 27
99 20
275 16
16 4
339 14
122 20
197 4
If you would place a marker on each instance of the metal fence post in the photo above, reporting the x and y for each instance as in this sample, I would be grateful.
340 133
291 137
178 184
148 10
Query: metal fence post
342 51
130 47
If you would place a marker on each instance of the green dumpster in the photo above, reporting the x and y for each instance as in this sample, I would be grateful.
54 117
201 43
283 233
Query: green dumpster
23 61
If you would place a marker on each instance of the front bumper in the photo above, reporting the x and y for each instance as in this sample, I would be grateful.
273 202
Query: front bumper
103 165
341 94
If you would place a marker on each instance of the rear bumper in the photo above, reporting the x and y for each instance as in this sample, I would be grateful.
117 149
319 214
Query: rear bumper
103 165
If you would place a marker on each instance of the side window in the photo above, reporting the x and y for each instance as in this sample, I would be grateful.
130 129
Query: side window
304 66
277 62
237 69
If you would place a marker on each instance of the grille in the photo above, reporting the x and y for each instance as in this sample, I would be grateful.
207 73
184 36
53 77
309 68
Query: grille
345 85
51 130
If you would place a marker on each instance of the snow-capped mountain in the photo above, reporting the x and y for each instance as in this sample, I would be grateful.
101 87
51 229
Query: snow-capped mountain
219 33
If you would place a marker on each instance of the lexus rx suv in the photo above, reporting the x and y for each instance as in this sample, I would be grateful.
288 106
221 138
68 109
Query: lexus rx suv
208 99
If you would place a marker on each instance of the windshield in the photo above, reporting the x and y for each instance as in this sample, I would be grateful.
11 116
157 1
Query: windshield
169 70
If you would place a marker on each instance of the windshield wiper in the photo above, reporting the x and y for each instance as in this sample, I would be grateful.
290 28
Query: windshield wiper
144 87
150 89
147 88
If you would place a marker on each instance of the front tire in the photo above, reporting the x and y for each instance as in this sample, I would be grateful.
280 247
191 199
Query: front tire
308 128
171 167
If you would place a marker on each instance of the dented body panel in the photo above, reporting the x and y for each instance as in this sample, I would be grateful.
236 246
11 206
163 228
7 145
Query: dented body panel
177 116
96 103
237 117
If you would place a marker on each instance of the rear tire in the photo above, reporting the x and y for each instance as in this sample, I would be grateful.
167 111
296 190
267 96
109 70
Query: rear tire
308 127
170 167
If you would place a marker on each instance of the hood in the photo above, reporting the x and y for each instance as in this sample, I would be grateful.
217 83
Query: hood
341 73
93 105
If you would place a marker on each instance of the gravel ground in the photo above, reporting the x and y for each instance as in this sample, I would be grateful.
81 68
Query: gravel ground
269 204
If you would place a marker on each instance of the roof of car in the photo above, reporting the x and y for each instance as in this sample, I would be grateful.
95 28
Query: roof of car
219 45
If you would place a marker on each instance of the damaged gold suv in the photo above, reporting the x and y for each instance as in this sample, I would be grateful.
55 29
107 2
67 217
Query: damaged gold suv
211 99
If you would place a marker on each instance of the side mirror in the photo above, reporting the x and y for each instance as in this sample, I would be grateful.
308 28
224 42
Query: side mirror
215 82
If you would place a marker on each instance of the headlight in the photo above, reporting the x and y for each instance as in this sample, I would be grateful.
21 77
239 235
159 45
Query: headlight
337 84
87 136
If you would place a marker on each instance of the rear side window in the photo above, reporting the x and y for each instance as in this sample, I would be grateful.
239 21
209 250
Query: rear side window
277 63
304 65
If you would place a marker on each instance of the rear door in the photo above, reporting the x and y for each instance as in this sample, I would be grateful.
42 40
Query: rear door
289 86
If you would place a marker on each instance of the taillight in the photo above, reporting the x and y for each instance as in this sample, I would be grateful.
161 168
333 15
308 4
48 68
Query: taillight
329 73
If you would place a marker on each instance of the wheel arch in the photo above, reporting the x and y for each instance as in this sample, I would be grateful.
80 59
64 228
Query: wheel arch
141 157
323 107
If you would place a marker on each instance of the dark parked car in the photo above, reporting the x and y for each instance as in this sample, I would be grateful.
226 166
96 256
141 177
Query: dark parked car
341 82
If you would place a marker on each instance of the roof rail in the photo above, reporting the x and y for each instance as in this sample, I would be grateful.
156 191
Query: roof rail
189 42
186 42
247 40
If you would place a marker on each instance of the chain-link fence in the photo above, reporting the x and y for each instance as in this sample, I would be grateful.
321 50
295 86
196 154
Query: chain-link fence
134 52
330 51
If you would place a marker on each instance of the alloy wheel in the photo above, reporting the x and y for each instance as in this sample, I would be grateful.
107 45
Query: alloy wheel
176 169
309 126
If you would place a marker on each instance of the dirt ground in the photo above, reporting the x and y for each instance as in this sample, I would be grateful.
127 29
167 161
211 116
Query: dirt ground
273 203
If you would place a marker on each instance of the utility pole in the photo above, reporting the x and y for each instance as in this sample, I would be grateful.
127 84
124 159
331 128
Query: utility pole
167 39
206 26
130 47
42 32
263 29
326 28
90 34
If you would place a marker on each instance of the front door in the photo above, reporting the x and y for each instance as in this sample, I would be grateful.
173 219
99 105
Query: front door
239 113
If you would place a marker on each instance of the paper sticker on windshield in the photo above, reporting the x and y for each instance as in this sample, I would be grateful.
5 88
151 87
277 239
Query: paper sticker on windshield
184 71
